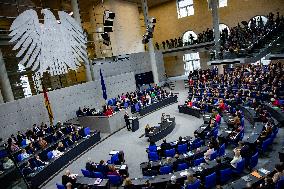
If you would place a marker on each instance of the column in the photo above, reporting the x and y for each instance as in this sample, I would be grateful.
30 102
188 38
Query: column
1 98
215 17
76 14
6 89
150 44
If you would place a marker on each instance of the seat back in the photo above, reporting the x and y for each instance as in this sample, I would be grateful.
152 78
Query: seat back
114 159
222 150
98 175
213 155
197 162
114 179
264 145
182 148
153 156
19 157
225 175
170 153
210 180
195 185
165 170
280 183
240 166
137 108
87 131
49 155
86 173
215 132
182 166
152 148
242 122
253 160
60 186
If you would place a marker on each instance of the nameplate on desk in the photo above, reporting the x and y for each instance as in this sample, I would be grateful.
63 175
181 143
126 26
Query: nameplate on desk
98 181
123 167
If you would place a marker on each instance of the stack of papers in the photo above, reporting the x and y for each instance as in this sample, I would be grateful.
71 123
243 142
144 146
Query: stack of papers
246 178
264 171
184 173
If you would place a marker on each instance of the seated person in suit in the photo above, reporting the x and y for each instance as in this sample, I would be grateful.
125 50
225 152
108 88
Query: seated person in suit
76 136
24 154
148 129
190 179
219 166
90 165
163 118
128 184
245 150
173 184
39 162
279 168
42 143
207 154
61 147
233 135
268 183
237 158
12 145
149 171
165 146
69 140
265 133
31 149
56 153
167 162
177 162
27 169
214 142
112 170
181 141
68 177
102 167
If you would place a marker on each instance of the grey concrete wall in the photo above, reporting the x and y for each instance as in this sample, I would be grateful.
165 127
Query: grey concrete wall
23 113
136 63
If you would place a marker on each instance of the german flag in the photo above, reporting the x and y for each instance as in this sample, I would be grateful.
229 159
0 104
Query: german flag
48 107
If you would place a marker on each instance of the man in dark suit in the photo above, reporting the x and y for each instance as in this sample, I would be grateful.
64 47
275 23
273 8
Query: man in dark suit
127 122
177 162
27 169
67 177
90 166
102 167
165 146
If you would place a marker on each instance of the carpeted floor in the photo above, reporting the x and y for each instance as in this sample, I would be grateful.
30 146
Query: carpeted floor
133 146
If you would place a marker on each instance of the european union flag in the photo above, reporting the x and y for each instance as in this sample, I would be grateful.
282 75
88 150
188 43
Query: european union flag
103 85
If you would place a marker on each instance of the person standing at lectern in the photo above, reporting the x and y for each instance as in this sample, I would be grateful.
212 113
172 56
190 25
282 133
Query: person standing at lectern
127 122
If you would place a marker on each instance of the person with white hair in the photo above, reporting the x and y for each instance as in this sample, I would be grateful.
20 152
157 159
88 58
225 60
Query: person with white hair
68 178
173 184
